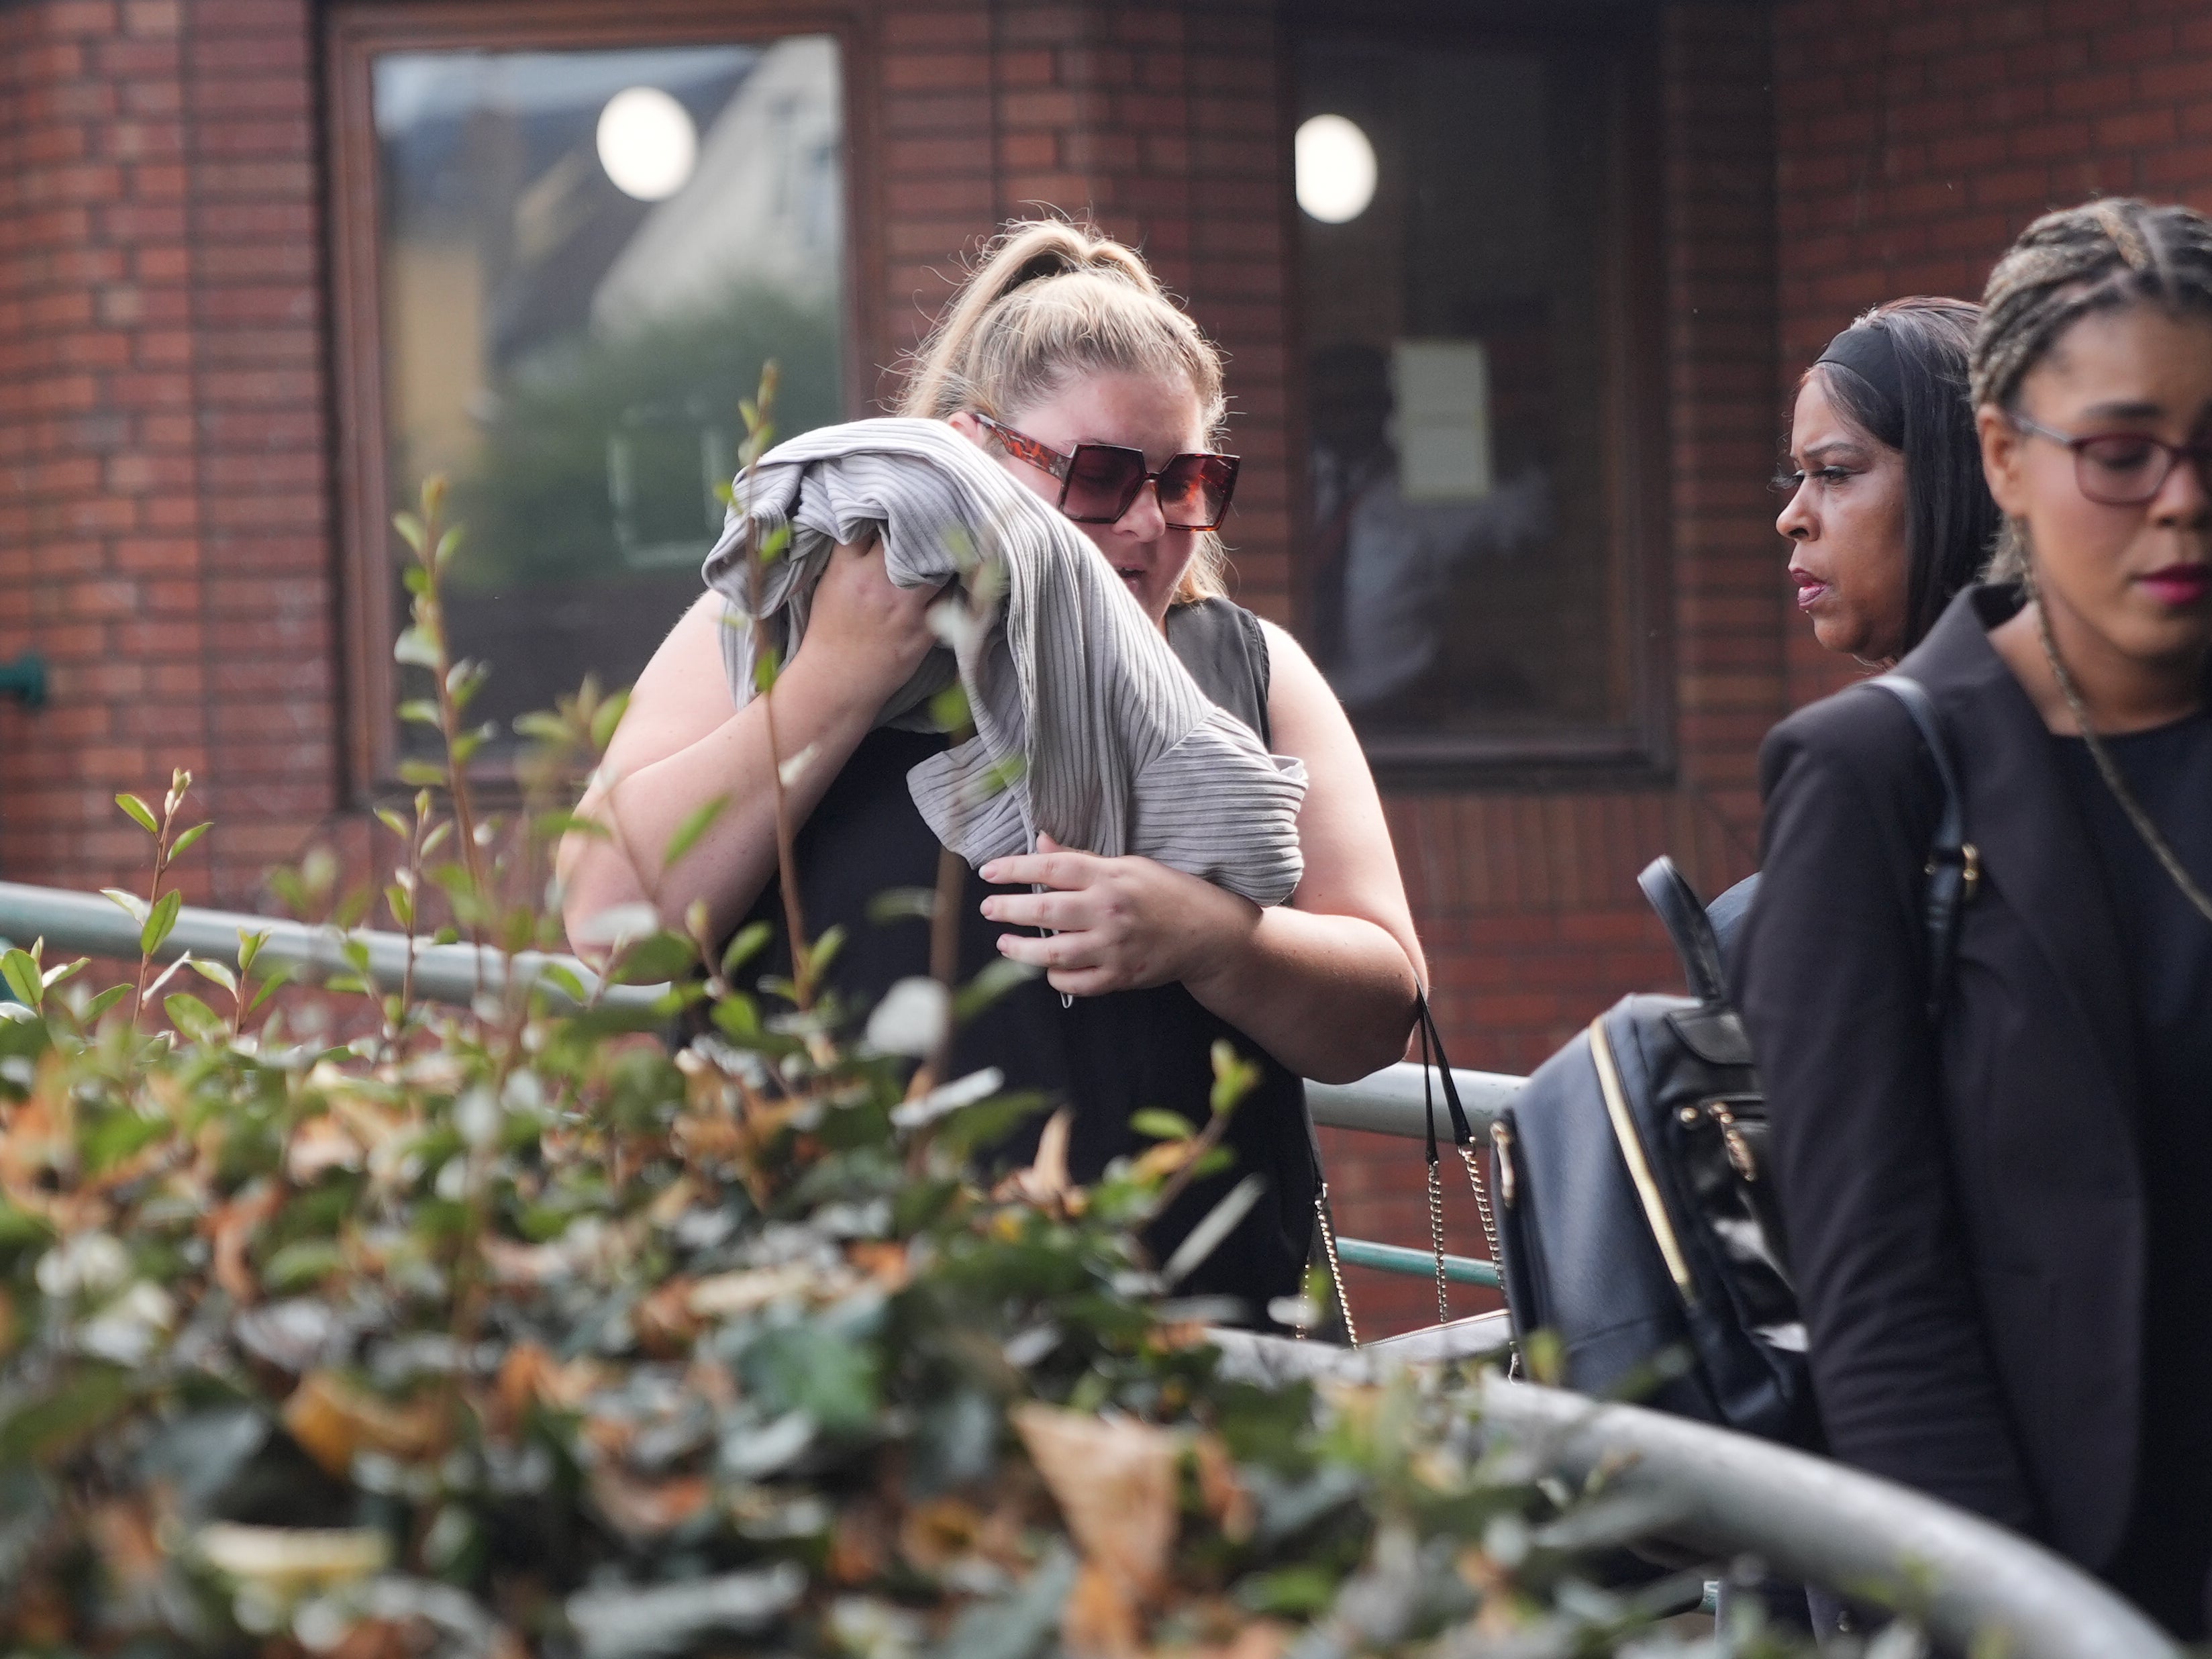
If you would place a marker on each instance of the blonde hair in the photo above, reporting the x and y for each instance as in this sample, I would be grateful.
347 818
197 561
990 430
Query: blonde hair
1049 301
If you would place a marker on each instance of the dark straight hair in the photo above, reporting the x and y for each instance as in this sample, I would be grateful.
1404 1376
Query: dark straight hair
1950 518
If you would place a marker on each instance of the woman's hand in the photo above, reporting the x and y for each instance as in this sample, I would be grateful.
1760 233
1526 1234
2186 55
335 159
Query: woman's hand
876 632
1118 924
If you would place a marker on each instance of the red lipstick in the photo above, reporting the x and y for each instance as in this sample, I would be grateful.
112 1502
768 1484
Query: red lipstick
2179 586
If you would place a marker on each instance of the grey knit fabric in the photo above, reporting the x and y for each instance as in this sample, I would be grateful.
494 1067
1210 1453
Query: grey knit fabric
1086 726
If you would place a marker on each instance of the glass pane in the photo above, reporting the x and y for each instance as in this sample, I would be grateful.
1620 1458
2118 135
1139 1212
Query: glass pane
1464 578
586 257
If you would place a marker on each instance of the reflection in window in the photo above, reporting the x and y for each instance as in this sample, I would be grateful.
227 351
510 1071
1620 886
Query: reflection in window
585 258
1464 582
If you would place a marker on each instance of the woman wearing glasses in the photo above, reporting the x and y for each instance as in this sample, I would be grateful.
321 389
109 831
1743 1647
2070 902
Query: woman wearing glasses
1994 1157
1063 360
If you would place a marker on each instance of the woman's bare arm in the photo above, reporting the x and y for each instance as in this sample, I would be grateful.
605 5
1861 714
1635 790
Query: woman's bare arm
1326 983
682 744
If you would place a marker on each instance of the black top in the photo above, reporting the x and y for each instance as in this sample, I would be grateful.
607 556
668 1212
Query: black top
1108 1056
2167 948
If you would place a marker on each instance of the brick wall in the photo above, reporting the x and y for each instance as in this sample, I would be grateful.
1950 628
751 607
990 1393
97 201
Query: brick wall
1913 143
164 507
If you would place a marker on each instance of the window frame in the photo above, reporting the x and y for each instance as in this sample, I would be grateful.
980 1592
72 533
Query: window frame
354 32
1623 42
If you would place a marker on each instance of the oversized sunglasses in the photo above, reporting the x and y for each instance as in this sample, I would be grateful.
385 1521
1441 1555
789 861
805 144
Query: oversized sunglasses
2122 469
1099 482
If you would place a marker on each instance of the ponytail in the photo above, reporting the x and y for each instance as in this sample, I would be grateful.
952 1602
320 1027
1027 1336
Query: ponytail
1050 300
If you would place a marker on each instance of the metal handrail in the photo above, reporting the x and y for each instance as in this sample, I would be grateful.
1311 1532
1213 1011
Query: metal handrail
1819 1522
1395 1101
89 924
1387 1102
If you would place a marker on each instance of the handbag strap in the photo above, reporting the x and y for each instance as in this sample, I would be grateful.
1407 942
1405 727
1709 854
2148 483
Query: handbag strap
1688 925
1436 1069
1955 864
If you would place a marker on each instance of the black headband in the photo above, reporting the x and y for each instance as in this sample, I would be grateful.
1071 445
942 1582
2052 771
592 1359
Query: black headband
1869 351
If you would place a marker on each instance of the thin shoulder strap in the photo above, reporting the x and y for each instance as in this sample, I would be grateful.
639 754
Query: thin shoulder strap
1954 866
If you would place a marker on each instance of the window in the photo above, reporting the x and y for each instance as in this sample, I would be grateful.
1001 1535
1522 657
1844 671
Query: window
1476 261
561 267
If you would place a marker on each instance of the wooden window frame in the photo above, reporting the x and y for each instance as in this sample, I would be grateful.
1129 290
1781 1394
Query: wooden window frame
1635 450
354 33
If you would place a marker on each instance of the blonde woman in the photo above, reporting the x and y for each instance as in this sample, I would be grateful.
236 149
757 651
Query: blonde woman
1062 358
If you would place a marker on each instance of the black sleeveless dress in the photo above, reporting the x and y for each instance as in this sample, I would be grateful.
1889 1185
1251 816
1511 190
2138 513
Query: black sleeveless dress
1107 1056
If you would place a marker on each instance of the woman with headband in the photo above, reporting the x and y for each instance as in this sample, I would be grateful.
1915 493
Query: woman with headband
1888 515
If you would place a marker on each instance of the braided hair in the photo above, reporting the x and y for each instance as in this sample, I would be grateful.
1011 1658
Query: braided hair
2102 256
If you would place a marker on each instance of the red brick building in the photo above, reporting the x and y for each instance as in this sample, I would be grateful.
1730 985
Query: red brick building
247 278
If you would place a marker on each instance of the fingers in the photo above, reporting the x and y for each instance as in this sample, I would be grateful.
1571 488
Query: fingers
1057 910
1061 869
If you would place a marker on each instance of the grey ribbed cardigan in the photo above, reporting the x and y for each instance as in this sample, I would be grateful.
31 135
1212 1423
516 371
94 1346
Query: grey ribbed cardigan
1086 726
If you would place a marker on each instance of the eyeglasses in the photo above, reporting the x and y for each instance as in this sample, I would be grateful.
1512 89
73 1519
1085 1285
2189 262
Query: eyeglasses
2124 469
1099 482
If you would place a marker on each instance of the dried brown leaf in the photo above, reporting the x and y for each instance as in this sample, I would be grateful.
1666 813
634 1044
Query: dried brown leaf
1114 1481
332 1418
642 1509
1100 1619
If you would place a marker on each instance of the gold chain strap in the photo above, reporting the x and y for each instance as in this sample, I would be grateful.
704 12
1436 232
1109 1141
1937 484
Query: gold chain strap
1472 1159
2109 770
1335 1267
1437 1234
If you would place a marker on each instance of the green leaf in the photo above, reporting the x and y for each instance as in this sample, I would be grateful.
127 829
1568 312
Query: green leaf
949 708
420 711
764 667
302 1264
902 904
186 842
609 717
402 906
824 1373
194 1018
47 1429
426 772
448 545
161 921
662 956
130 903
993 981
216 973
1162 1124
743 946
55 976
416 646
696 824
409 528
22 976
774 543
565 979
100 1004
391 821
249 948
544 727
140 813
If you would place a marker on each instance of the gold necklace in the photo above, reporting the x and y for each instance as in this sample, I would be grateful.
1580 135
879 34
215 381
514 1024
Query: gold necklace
2110 772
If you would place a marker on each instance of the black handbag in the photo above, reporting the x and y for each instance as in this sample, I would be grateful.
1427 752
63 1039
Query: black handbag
1636 1214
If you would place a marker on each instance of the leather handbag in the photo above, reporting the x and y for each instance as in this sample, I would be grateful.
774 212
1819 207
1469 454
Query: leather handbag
1637 1216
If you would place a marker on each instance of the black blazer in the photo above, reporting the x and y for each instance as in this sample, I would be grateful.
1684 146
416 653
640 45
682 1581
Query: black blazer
1965 1205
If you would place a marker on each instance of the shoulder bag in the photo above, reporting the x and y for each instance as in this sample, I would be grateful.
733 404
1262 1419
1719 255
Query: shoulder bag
1636 1221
